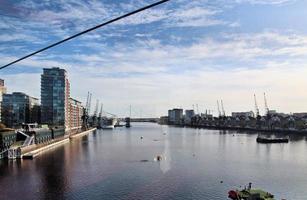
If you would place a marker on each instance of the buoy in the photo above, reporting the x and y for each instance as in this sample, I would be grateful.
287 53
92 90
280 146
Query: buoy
141 137
159 158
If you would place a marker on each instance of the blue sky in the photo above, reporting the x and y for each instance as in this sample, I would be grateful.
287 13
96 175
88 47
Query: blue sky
175 55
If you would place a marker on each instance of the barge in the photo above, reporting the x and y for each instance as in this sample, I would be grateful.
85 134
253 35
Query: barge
265 140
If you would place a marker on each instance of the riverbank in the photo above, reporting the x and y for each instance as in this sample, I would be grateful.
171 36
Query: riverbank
284 131
37 151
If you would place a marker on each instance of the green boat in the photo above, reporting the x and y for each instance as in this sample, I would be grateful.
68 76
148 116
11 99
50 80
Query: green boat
250 194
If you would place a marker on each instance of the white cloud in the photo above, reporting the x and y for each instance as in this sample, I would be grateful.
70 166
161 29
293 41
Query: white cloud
154 77
19 37
272 2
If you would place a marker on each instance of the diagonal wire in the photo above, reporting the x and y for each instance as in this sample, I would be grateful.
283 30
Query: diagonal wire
86 31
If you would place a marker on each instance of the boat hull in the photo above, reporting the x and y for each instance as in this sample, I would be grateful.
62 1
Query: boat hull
272 140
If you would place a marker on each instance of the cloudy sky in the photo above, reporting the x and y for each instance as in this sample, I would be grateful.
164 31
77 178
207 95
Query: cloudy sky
181 53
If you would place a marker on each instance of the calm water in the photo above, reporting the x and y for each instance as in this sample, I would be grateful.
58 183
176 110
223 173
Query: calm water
106 165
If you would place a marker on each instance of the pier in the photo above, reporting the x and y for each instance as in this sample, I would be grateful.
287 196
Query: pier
31 151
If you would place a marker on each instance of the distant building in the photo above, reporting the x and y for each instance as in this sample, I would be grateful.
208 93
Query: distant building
300 115
75 114
272 112
2 91
188 116
175 116
55 93
18 108
206 115
243 114
163 120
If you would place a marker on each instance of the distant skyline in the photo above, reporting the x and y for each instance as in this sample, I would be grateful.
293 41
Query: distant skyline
175 55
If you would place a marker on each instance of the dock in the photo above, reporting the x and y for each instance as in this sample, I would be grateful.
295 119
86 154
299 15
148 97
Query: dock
32 154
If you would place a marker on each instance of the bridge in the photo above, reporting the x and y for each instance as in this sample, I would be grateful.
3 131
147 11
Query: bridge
153 120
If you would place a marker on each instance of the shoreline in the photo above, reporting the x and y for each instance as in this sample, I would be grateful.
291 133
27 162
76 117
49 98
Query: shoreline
283 131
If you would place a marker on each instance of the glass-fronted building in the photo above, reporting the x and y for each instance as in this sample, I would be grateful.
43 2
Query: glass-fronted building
2 91
55 93
18 108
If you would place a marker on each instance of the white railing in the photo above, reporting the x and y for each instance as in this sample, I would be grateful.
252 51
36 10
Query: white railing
28 141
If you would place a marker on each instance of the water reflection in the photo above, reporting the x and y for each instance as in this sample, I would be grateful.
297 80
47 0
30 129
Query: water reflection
53 178
165 164
105 165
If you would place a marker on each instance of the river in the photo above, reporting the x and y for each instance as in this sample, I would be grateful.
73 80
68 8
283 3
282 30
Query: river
196 164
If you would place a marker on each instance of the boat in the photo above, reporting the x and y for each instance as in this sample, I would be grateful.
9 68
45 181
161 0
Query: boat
108 123
271 140
250 194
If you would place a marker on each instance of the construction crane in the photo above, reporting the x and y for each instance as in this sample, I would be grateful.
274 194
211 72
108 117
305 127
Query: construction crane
223 111
86 111
101 110
267 111
94 117
88 103
256 106
96 108
218 108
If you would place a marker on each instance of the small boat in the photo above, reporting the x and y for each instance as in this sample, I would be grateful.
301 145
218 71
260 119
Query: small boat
250 194
271 140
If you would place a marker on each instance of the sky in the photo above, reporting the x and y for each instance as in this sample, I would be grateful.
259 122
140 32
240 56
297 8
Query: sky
179 54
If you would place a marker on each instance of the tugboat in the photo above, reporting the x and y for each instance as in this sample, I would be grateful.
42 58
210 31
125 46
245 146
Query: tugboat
250 194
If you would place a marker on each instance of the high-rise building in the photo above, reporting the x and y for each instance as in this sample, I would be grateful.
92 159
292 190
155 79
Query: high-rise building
55 93
18 108
2 91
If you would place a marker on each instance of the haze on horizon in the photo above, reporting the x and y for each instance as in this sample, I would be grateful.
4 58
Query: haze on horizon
176 55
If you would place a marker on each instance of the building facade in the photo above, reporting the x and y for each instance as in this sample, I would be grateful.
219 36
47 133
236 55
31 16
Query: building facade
188 116
18 108
2 91
75 114
55 93
175 116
